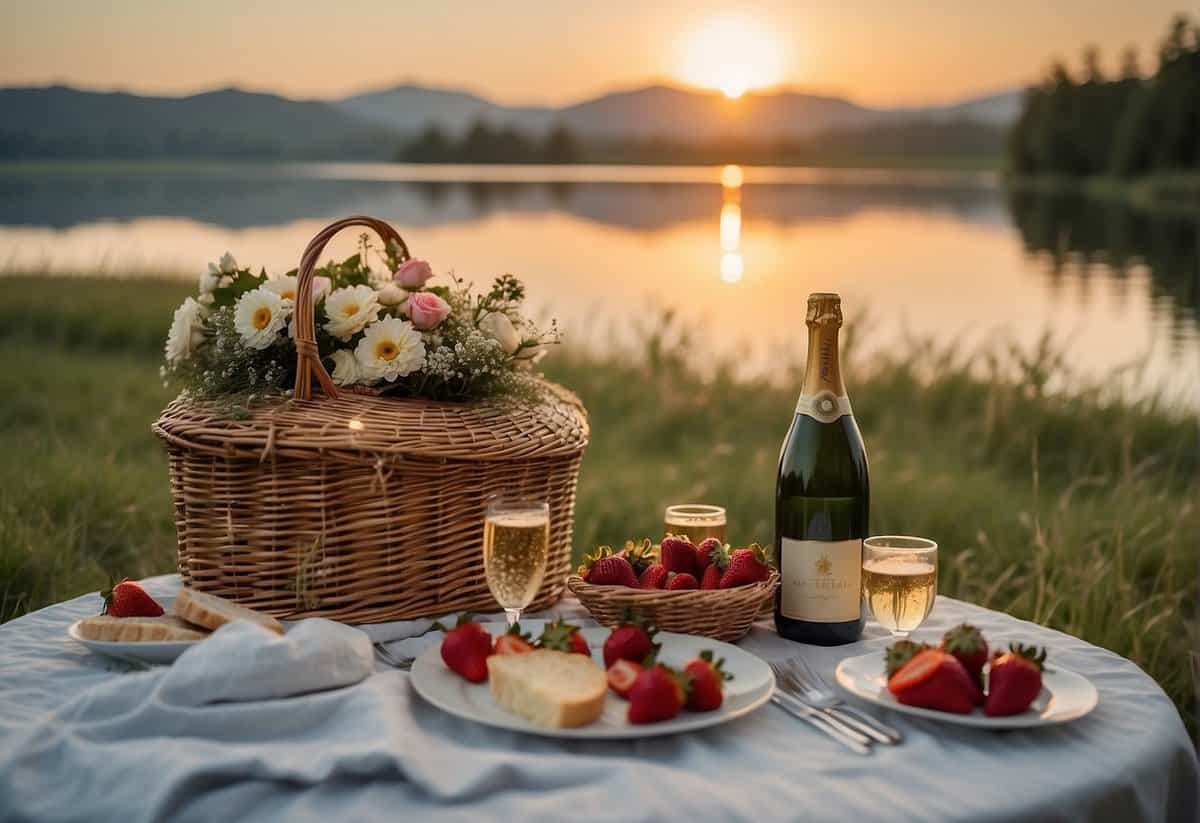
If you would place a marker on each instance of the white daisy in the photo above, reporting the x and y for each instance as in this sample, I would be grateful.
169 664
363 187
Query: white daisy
345 368
186 333
349 310
391 348
284 286
258 317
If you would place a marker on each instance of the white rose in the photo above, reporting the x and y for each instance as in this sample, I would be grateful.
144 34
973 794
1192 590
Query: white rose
187 331
497 326
228 264
345 368
392 295
349 310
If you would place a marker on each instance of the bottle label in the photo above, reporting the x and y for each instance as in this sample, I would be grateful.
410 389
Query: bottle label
824 407
822 580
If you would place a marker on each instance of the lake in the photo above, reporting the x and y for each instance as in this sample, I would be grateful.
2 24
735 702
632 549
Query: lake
733 252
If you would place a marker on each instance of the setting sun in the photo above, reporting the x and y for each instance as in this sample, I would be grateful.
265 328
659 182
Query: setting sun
731 54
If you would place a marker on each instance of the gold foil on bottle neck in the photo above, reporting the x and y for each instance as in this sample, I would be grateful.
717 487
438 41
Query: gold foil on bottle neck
824 308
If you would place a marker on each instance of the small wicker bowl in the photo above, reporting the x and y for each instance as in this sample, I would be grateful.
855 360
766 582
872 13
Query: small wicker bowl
722 614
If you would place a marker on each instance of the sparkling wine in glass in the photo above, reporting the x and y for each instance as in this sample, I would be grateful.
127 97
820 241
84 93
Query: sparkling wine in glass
698 522
899 581
516 539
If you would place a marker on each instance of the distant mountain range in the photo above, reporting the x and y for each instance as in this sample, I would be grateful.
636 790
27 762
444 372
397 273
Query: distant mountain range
60 121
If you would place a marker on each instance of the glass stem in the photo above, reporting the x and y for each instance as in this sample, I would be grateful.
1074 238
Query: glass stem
513 615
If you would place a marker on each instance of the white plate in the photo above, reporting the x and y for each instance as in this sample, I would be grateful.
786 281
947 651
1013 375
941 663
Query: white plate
750 688
1065 696
140 651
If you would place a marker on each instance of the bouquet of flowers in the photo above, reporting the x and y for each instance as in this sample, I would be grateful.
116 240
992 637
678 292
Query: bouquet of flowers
393 332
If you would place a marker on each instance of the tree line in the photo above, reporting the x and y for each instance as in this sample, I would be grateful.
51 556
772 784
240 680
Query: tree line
484 143
1130 125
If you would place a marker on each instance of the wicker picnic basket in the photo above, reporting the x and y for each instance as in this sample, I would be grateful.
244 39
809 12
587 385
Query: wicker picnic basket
358 507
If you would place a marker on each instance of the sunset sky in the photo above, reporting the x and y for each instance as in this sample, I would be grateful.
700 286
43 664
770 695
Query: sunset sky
875 51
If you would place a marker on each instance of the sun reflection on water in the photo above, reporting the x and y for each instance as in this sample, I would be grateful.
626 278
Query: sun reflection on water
732 266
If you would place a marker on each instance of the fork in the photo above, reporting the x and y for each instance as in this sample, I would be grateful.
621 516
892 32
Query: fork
784 699
815 691
390 659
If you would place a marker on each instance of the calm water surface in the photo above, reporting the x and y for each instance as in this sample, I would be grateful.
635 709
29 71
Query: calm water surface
734 252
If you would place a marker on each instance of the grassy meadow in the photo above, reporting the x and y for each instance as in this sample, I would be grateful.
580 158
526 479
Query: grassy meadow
1073 508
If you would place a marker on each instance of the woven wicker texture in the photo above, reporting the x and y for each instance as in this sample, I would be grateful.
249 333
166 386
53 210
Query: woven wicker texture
722 614
363 508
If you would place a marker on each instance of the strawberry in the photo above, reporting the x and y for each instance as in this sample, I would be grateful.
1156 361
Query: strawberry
712 577
654 577
705 551
935 680
640 555
513 642
967 644
900 652
706 682
683 580
632 640
564 637
621 677
678 554
128 599
656 695
1014 680
748 565
603 568
465 648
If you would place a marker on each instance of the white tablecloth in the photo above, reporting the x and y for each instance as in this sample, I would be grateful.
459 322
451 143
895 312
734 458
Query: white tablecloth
375 751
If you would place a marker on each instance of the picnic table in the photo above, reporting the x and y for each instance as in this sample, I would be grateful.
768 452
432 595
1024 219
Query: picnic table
82 738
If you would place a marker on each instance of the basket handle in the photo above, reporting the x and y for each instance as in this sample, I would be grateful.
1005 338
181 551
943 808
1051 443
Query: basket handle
308 358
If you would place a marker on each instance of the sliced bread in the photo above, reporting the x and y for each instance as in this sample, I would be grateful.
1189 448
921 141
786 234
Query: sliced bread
548 687
139 629
212 612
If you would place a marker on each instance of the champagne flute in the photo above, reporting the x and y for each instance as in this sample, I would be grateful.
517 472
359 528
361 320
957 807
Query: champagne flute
697 521
516 539
899 581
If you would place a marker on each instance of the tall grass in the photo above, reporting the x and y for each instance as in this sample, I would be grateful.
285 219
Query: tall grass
1074 507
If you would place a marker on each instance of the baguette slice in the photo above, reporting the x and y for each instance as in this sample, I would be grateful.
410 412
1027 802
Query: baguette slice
213 612
139 629
548 687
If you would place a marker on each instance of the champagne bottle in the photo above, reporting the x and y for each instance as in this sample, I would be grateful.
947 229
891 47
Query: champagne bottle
822 498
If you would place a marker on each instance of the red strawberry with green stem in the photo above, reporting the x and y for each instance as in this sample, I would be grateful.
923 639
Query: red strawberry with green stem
935 680
705 552
621 677
1014 680
656 695
654 577
900 652
967 644
706 682
712 577
683 581
564 637
632 640
465 648
640 555
513 641
678 554
603 568
748 565
128 599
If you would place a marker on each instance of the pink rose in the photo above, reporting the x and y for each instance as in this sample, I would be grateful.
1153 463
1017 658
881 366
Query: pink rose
426 310
413 274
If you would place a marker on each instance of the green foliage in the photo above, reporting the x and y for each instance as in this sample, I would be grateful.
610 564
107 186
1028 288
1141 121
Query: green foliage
1126 127
1058 501
483 143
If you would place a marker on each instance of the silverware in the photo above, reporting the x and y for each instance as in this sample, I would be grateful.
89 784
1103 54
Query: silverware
390 659
809 686
855 741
